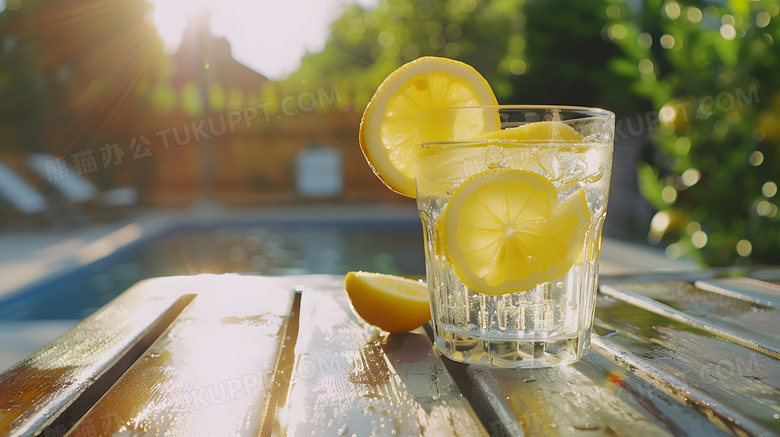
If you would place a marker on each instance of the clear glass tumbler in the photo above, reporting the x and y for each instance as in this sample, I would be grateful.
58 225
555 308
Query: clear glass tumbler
528 246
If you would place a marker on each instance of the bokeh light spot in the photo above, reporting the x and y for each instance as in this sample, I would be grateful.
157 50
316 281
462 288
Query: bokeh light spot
672 10
669 194
613 12
769 189
646 66
667 41
436 41
645 40
617 31
762 19
744 248
764 209
756 158
699 239
451 50
694 14
690 177
728 32
517 67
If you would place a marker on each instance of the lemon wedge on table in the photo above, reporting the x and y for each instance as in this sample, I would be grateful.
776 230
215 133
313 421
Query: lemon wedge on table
392 303
388 136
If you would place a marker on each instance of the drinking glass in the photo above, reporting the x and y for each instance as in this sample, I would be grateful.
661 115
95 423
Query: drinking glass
550 323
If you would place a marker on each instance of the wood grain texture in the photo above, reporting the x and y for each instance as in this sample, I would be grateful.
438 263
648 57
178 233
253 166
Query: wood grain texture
737 320
735 386
593 397
349 380
211 373
62 380
246 355
747 289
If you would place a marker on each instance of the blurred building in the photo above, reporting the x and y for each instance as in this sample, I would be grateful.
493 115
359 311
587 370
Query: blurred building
109 102
237 136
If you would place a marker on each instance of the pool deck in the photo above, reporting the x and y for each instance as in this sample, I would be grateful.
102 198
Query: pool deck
36 256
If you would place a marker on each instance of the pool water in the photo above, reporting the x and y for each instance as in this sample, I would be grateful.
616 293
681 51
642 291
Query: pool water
316 248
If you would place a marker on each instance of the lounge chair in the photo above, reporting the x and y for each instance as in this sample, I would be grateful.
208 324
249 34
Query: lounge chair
76 189
18 197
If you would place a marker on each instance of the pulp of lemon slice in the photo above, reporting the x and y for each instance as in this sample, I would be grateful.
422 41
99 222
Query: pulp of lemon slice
392 303
536 131
388 136
504 231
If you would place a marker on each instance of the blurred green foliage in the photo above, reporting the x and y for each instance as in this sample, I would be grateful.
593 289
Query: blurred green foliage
710 70
695 80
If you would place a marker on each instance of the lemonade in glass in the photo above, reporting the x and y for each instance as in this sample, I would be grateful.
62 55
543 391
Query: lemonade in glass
512 199
513 220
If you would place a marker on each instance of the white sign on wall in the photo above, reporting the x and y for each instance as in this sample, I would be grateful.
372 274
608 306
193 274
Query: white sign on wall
318 172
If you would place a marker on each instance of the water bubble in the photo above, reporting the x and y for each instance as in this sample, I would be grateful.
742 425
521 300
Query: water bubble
776 416
559 285
530 260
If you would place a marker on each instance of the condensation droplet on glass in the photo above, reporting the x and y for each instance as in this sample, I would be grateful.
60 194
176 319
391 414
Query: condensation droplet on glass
776 416
559 284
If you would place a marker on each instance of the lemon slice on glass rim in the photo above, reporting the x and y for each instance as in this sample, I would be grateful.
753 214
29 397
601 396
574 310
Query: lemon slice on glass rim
504 231
389 138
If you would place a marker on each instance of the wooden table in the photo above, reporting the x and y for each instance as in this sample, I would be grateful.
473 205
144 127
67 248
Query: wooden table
234 355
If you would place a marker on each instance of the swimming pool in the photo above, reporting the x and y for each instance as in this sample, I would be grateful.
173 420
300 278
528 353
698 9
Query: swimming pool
305 247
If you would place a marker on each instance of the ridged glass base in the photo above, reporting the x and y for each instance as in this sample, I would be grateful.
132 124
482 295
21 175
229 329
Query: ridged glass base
551 352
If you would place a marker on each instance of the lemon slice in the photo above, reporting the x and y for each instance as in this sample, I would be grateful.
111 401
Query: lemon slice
536 131
505 231
391 303
388 136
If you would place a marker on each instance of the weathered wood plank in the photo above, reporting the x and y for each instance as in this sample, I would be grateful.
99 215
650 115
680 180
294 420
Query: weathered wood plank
747 289
349 380
61 381
736 320
211 373
736 387
592 396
